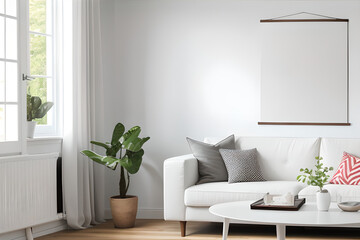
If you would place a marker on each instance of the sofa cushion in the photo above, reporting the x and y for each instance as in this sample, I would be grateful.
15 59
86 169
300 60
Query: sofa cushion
210 163
280 158
344 192
348 172
242 165
208 194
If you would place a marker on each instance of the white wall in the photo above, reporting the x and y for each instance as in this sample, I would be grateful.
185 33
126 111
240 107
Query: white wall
192 68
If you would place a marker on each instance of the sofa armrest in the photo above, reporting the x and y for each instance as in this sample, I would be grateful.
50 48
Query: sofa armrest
179 173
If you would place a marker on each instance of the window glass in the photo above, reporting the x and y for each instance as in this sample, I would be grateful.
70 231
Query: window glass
11 38
9 76
2 122
38 17
11 7
2 81
2 7
11 82
11 122
2 37
40 55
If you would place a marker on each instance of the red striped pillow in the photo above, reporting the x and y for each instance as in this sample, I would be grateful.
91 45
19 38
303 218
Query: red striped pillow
348 172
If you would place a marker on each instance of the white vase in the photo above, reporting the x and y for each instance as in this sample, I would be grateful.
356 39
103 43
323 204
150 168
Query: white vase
31 129
323 200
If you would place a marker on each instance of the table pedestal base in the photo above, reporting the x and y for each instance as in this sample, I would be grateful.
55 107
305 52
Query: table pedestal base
280 230
225 228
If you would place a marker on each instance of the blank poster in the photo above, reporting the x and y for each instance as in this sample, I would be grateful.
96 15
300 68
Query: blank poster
304 72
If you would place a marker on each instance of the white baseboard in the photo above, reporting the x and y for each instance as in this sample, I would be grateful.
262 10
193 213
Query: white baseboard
142 213
38 231
49 228
150 214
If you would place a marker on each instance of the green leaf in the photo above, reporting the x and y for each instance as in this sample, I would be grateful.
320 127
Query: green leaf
107 161
131 138
43 109
32 106
136 144
113 150
132 161
111 162
35 102
132 134
100 144
317 176
93 156
117 133
29 116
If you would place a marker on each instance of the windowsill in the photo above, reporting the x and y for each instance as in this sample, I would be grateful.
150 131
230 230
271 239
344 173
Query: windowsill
40 145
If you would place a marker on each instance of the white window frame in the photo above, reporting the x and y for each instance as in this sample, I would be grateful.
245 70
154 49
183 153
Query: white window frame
53 88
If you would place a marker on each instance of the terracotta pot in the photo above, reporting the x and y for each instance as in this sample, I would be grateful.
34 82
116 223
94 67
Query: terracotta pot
123 211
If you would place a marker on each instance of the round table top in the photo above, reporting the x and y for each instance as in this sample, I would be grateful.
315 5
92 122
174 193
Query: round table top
307 215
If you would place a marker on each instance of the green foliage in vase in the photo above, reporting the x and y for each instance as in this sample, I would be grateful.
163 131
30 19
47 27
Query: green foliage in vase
35 108
125 149
315 177
38 87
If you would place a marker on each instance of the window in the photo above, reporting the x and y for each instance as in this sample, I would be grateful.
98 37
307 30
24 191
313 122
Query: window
9 77
27 46
41 61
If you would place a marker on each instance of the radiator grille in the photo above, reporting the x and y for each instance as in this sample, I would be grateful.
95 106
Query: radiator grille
27 191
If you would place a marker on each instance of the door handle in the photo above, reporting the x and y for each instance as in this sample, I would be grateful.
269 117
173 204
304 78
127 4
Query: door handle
27 77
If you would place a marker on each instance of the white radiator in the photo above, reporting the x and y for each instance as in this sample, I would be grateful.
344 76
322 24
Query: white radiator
27 191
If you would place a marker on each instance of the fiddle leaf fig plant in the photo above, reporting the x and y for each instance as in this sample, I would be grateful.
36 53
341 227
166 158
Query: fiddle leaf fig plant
35 108
315 177
125 149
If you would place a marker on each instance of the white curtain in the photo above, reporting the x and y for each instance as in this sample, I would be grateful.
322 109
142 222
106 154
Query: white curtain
83 102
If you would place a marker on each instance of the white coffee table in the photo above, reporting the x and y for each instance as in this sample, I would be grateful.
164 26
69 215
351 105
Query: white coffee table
307 215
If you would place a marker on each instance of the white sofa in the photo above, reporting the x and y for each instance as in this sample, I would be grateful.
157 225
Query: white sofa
280 160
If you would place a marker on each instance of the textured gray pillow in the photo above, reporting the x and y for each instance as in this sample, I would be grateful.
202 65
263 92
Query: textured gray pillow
210 162
242 165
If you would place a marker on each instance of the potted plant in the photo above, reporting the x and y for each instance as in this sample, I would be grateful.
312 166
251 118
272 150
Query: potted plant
35 110
318 177
125 149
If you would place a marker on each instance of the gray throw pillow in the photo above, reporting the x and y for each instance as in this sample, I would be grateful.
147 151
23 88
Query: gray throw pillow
242 165
210 163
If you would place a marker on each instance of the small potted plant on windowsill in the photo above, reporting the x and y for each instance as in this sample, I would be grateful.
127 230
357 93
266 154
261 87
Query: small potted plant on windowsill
129 147
318 177
35 110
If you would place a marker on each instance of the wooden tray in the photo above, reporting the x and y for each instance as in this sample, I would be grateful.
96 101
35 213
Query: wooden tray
260 205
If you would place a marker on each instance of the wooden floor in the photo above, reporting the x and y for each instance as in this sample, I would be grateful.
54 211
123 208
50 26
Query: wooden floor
159 229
